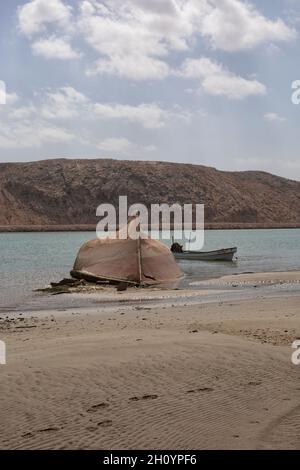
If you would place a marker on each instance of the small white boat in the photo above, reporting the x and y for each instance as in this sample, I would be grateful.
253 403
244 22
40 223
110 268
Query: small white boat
225 254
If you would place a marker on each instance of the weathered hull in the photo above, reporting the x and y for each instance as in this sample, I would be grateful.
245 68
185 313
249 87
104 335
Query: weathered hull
226 254
140 261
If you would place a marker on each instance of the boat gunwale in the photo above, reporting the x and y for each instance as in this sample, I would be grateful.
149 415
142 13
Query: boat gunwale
221 251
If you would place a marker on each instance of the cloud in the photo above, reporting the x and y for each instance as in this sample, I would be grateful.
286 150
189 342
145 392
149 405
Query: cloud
119 146
36 14
133 39
26 124
54 48
65 103
23 112
20 135
216 80
122 147
150 116
11 98
53 113
132 67
232 25
273 117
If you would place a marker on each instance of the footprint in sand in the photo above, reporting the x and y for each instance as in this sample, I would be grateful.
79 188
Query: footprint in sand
27 434
103 424
97 407
48 430
32 434
201 389
144 397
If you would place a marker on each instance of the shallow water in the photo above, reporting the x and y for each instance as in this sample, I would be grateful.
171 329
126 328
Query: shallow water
32 260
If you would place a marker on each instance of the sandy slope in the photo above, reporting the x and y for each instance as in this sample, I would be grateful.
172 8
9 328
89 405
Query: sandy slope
199 376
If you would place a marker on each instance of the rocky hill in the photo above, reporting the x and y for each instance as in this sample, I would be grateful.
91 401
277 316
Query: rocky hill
66 192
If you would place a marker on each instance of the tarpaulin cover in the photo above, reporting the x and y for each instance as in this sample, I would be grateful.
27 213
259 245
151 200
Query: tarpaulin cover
141 261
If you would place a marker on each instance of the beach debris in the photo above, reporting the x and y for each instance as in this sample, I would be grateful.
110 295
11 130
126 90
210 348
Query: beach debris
67 286
122 286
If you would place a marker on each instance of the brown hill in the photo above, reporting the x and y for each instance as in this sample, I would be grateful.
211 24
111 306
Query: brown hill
67 192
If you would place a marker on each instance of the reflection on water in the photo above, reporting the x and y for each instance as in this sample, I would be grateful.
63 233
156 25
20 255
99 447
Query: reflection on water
31 260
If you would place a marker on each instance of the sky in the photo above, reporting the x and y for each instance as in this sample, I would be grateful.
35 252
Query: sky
194 81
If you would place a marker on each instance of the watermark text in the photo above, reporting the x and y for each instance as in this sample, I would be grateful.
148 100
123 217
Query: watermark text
157 222
2 353
296 353
2 92
296 93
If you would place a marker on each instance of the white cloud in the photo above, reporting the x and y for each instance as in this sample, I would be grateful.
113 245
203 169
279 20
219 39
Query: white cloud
26 124
30 134
216 80
149 116
134 38
11 98
232 25
119 146
132 67
65 103
33 123
129 38
23 112
54 48
273 117
36 14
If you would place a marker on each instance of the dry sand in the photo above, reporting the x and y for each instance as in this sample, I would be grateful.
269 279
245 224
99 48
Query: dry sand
199 376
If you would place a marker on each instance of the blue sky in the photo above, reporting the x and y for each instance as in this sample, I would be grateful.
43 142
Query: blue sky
194 81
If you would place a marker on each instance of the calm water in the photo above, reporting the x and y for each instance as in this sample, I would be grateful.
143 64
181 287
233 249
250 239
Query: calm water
32 260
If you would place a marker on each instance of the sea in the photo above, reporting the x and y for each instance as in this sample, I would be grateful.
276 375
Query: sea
29 261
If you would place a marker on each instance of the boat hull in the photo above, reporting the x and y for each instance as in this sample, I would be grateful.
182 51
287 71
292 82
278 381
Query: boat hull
226 254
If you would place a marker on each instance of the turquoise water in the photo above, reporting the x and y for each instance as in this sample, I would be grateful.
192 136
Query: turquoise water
32 260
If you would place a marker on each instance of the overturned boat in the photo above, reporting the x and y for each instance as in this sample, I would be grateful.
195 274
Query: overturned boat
140 261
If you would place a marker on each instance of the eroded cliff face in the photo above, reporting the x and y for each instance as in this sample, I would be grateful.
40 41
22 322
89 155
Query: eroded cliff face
64 192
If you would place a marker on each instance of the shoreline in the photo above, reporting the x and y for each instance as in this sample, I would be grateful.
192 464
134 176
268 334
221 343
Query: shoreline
235 286
92 227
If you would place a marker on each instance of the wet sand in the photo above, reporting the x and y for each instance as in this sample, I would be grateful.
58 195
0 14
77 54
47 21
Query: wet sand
176 370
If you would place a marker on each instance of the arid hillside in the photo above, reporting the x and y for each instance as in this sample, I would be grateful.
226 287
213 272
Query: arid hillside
67 192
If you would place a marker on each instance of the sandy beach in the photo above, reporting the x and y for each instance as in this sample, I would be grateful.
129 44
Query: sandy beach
205 369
